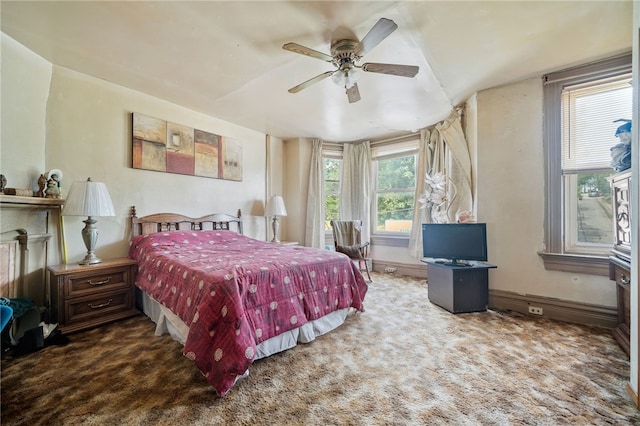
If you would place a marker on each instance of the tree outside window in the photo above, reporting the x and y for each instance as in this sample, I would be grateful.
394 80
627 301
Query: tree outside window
395 193
332 172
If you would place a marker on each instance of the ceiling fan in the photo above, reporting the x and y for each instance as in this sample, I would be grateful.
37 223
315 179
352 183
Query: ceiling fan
345 55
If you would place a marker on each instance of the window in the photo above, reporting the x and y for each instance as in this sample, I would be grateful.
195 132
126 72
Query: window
589 114
394 168
332 174
581 106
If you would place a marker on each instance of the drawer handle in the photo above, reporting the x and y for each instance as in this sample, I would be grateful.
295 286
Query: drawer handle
102 305
100 282
624 280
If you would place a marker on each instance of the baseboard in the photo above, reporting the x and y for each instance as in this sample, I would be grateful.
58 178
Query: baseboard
395 268
562 310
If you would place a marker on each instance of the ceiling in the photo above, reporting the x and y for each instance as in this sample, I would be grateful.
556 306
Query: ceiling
225 58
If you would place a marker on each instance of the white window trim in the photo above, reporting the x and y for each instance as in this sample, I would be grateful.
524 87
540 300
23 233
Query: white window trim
334 155
553 254
384 152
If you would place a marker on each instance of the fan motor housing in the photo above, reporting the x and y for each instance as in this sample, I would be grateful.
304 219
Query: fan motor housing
343 52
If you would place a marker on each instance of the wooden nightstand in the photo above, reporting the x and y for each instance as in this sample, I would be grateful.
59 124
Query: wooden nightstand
288 243
90 295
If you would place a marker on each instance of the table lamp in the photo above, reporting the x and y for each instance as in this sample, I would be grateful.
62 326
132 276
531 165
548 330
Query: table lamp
89 199
275 208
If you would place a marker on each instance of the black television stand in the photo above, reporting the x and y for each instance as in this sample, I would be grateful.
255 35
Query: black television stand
458 288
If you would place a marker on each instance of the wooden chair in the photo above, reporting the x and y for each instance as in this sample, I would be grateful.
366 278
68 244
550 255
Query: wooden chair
347 237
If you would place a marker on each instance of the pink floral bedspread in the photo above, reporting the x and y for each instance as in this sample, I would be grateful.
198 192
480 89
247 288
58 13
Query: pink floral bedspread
235 292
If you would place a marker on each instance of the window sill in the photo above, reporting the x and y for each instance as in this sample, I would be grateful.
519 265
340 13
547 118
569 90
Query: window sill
584 264
390 241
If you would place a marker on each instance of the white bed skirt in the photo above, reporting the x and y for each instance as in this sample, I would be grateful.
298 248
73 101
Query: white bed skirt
167 322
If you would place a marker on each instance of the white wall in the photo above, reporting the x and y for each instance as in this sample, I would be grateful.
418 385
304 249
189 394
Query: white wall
511 197
25 88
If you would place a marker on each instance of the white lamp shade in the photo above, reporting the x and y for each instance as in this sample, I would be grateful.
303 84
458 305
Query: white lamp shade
88 199
275 207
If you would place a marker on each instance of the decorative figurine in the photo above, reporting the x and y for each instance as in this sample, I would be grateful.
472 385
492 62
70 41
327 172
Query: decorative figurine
53 184
621 153
3 182
42 183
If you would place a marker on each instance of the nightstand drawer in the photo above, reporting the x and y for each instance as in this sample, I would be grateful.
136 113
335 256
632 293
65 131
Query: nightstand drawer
76 286
83 309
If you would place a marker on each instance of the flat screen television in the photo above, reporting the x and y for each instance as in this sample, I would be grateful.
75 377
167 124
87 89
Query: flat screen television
455 243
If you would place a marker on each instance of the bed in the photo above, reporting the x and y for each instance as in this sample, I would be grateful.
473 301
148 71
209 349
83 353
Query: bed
231 299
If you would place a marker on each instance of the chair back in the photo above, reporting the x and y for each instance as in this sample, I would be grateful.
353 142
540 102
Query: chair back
347 232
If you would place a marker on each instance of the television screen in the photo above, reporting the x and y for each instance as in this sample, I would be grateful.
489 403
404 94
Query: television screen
455 242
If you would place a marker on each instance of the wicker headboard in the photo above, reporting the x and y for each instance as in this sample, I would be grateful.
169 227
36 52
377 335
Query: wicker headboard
161 222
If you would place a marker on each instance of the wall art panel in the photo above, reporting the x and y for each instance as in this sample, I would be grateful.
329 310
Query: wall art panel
169 147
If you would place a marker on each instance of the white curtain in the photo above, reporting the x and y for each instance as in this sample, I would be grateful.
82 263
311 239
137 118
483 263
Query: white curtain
355 189
314 233
458 165
442 148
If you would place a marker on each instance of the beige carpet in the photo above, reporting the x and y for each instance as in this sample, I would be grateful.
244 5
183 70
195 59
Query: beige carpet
403 361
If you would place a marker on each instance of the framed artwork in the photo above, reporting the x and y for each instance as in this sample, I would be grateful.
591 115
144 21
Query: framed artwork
169 147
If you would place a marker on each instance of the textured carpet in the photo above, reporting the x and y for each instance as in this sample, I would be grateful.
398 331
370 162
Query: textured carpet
403 361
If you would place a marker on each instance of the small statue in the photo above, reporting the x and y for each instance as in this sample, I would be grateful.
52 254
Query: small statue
53 187
3 183
621 153
42 183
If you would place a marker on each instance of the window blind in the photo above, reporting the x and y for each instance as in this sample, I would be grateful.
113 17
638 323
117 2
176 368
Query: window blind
588 122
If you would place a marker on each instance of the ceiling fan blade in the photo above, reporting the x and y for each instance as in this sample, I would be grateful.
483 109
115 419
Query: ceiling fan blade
353 94
393 69
296 48
376 34
311 81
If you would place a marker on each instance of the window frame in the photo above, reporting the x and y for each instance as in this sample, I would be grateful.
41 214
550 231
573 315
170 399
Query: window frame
554 255
332 155
578 165
384 152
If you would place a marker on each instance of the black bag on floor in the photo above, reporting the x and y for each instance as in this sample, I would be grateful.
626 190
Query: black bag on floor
31 341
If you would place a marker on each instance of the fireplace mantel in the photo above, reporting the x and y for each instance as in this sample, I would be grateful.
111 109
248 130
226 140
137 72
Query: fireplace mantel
30 202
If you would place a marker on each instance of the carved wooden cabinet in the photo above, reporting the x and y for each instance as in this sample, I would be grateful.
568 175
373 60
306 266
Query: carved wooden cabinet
620 194
83 296
620 261
620 272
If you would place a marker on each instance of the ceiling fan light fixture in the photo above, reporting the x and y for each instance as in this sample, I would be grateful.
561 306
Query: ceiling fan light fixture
347 78
339 78
352 77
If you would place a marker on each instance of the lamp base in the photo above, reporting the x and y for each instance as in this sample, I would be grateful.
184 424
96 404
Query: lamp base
90 237
276 226
90 259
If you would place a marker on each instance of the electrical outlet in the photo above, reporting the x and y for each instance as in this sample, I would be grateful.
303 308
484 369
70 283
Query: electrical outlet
535 310
390 269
